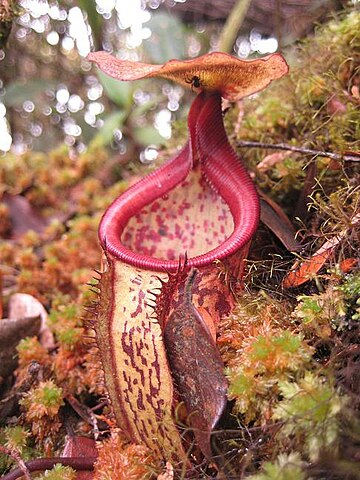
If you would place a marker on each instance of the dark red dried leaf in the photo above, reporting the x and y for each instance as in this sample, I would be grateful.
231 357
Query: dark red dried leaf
77 446
197 368
23 216
277 221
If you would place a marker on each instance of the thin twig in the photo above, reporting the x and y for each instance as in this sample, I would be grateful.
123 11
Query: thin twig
15 455
292 148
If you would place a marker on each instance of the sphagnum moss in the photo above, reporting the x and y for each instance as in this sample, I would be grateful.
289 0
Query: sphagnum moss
316 106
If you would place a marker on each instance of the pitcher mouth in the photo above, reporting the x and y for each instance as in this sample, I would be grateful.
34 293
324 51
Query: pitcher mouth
210 151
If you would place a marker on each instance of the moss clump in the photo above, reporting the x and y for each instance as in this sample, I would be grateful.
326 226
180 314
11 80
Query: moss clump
285 467
43 401
315 106
310 409
41 405
58 472
130 462
16 439
265 360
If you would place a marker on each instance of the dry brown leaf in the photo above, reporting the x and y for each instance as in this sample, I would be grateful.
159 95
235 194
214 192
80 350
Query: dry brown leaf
271 160
23 216
278 222
303 271
349 264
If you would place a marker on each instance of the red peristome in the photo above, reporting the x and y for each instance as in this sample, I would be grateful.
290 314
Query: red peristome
220 168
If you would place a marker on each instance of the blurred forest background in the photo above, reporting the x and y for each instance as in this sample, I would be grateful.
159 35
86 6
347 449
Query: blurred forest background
50 94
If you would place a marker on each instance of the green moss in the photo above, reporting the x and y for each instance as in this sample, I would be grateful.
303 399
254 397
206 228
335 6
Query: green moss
58 472
285 467
51 396
322 309
17 439
315 106
264 363
65 321
64 312
310 409
351 287
351 291
43 400
71 336
334 308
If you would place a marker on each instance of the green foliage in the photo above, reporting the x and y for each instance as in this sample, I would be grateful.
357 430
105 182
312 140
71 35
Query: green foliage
167 40
285 467
58 472
95 20
320 312
265 362
351 291
310 409
105 135
16 439
121 93
315 106
128 118
148 136
43 400
18 91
